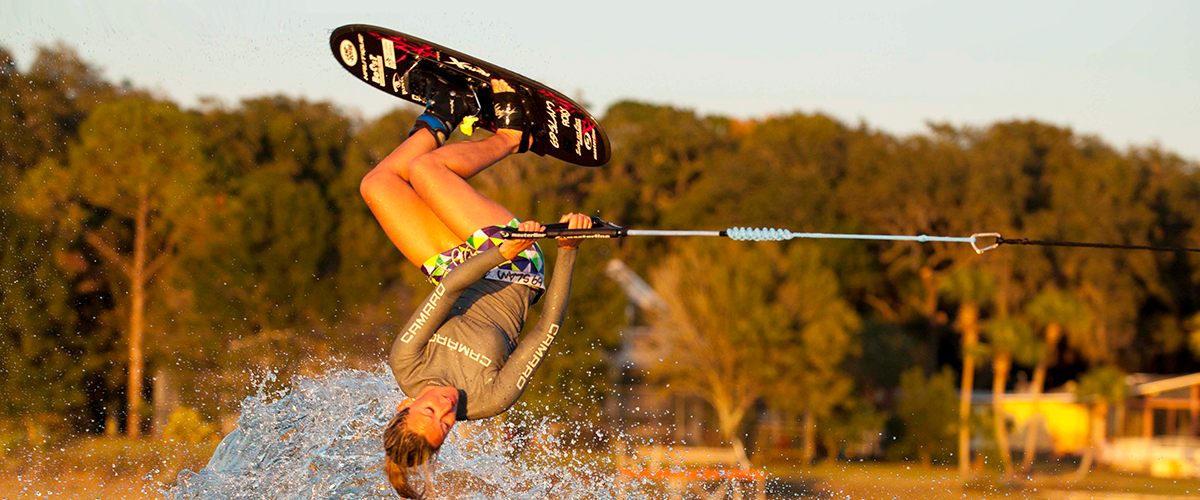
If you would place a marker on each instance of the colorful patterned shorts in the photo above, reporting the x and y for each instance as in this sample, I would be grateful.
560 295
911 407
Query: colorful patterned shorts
528 268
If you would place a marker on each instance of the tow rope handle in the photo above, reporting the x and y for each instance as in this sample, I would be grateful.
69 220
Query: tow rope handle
600 229
980 242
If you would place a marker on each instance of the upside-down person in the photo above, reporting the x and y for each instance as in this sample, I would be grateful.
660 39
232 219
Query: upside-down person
459 358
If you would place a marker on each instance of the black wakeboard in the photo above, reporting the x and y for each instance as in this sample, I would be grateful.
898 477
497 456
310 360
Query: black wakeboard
385 59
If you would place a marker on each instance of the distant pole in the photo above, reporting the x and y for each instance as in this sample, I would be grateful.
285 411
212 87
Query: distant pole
1194 410
1148 416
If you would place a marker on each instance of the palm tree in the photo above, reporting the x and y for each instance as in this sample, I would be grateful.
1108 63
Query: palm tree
1055 313
1009 339
971 288
1099 388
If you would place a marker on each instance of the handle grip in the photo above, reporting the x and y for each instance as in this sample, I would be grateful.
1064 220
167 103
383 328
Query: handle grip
557 226
599 230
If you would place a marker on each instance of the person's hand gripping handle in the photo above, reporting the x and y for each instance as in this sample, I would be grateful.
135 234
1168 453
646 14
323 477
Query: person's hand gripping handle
574 221
512 247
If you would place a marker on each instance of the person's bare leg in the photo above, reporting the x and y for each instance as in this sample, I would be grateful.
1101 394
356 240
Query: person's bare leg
420 195
439 178
397 162
415 229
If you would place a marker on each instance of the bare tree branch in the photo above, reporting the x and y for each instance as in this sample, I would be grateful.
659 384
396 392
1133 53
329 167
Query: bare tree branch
108 252
165 255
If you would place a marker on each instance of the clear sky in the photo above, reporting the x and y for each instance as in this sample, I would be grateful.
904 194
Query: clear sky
1127 71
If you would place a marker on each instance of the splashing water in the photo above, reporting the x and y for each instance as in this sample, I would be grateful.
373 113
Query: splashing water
323 439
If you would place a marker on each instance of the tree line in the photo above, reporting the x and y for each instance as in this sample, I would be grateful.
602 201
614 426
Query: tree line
148 244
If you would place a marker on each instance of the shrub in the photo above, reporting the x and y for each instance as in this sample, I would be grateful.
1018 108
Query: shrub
185 425
929 409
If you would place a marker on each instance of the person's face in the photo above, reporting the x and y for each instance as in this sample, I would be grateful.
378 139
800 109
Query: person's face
431 413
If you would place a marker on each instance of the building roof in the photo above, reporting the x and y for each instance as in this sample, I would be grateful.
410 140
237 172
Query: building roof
1141 384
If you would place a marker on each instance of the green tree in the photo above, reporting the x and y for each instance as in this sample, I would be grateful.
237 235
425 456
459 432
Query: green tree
43 361
713 334
928 408
662 174
304 139
852 424
17 150
1099 388
664 155
368 263
268 273
44 106
298 283
826 338
53 337
1059 185
912 186
267 287
1009 339
747 321
972 289
1053 311
795 157
138 161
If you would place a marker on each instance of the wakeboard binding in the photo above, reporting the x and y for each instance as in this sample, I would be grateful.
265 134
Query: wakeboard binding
446 106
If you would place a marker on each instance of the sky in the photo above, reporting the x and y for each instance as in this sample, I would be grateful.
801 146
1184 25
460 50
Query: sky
1126 71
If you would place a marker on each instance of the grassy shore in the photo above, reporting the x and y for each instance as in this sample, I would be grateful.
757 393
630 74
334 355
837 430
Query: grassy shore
868 480
99 468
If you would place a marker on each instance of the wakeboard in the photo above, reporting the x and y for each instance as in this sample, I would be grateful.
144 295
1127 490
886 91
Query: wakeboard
395 63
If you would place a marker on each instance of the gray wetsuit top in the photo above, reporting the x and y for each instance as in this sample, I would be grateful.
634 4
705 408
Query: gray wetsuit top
464 335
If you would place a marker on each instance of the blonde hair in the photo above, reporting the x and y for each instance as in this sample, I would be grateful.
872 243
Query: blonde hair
403 450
